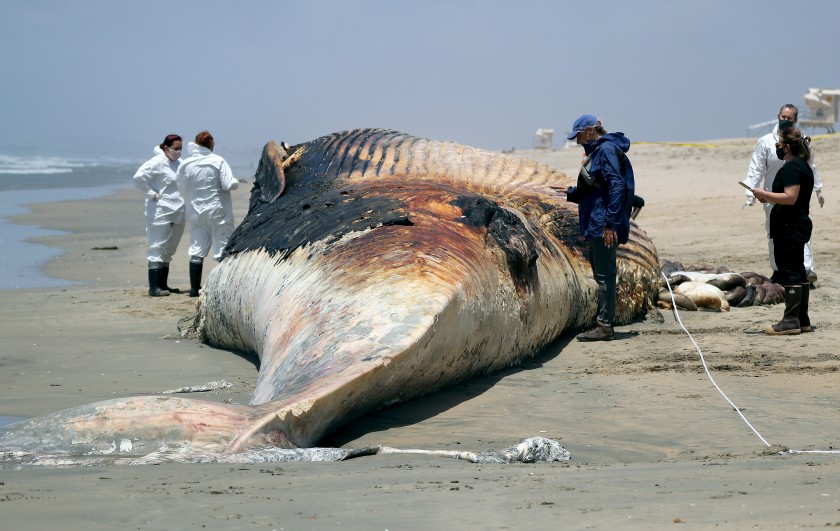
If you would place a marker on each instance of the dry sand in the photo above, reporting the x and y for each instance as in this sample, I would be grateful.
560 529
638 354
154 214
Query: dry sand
653 443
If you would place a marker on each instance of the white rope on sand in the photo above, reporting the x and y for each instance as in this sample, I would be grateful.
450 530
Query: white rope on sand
709 374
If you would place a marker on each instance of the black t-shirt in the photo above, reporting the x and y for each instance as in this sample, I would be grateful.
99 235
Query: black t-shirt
795 171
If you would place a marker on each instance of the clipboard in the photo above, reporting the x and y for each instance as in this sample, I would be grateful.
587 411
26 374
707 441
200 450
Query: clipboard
745 185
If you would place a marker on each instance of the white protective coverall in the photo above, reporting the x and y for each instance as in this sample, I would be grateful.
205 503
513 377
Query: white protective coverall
157 179
205 181
763 168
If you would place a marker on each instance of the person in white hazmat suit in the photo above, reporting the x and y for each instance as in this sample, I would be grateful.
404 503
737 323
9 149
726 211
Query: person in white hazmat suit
205 181
762 170
157 179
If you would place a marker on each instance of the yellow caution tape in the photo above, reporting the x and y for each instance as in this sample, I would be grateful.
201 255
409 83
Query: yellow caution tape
820 137
682 144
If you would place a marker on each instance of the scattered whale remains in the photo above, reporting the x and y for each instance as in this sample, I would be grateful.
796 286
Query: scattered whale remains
715 288
373 267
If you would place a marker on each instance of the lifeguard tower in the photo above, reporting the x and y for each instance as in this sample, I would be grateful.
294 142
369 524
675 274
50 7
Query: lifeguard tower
823 106
821 110
542 138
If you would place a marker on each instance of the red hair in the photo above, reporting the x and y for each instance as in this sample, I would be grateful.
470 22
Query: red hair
205 139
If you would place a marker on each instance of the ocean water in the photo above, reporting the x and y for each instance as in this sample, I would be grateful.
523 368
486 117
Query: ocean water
29 180
51 173
6 420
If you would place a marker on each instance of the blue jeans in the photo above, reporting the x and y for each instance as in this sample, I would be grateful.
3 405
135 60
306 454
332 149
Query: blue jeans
602 259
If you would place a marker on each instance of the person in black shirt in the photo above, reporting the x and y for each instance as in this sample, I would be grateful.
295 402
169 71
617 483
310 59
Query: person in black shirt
790 228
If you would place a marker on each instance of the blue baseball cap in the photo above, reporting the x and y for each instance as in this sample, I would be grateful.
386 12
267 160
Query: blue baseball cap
587 120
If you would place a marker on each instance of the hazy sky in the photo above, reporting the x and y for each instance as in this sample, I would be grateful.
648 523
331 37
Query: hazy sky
111 78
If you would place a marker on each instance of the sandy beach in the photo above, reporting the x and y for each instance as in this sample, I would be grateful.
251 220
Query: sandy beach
653 442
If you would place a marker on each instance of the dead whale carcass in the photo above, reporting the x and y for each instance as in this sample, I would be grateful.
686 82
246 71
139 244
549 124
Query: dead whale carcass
373 267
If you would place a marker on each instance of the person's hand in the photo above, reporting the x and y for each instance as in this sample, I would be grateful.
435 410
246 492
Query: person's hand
561 189
157 196
760 195
820 198
610 238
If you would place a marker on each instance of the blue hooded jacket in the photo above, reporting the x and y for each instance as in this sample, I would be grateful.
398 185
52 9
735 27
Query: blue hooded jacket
606 203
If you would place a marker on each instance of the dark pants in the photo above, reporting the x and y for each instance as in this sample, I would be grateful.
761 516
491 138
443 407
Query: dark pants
789 239
603 268
789 253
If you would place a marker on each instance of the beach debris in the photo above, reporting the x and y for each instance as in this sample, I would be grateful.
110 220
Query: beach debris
531 450
715 288
106 248
209 386
187 326
704 295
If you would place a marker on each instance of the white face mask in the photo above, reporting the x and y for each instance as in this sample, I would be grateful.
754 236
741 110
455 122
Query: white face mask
174 154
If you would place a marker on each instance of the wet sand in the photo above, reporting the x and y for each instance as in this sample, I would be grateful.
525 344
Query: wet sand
652 440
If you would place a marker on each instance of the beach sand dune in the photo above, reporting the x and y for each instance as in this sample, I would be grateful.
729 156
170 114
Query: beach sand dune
653 442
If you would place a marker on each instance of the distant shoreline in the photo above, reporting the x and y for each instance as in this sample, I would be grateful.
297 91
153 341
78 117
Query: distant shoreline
22 266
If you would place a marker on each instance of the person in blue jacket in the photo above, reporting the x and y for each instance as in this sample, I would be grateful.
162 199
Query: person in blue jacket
604 194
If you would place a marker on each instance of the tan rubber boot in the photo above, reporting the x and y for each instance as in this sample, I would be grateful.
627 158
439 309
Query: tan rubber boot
789 325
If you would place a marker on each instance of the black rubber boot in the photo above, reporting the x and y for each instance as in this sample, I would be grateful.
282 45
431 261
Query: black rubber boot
804 319
164 280
195 278
154 284
789 325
